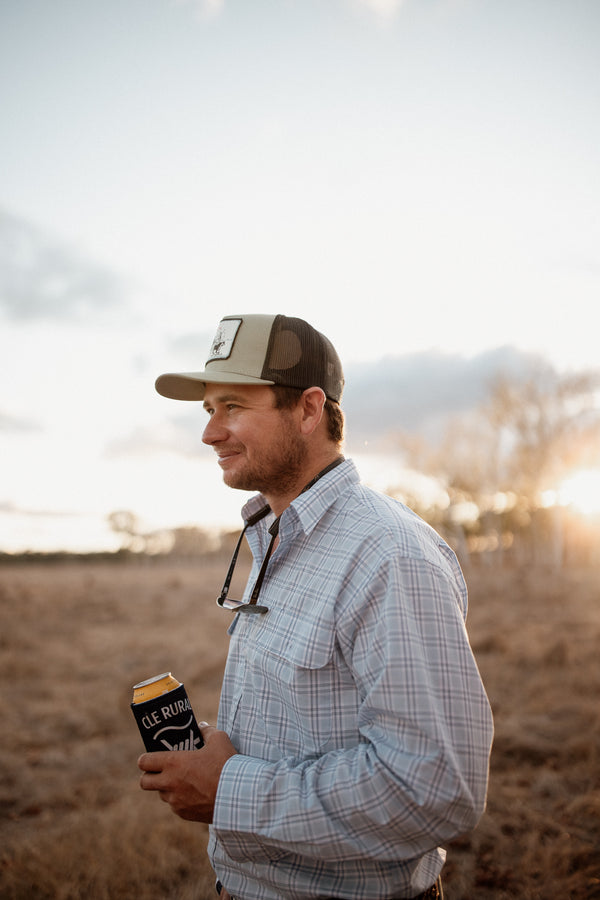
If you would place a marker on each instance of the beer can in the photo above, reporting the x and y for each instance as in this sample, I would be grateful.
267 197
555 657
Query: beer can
164 715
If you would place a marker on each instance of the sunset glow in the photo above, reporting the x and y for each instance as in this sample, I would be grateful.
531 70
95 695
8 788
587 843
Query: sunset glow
581 490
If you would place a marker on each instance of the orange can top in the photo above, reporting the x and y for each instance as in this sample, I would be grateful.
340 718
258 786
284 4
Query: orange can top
154 687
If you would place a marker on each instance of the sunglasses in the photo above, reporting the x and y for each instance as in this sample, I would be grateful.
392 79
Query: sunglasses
252 605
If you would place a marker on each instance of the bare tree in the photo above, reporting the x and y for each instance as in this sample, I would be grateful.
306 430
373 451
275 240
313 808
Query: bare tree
546 423
125 523
502 459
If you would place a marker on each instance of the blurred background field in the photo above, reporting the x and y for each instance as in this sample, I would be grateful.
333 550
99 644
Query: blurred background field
76 635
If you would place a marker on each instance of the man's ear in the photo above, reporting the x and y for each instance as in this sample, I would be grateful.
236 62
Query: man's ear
312 404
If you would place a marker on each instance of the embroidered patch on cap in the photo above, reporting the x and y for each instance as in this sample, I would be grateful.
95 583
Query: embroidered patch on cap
222 344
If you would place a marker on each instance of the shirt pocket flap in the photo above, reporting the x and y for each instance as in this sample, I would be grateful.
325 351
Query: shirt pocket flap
300 641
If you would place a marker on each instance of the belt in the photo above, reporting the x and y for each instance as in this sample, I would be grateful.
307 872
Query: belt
435 892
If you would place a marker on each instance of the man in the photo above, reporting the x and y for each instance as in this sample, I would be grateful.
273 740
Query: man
354 731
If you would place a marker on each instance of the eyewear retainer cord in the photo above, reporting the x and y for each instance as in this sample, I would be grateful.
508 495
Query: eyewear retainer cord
252 606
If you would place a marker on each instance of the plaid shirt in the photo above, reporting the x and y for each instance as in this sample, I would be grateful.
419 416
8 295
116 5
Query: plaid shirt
355 703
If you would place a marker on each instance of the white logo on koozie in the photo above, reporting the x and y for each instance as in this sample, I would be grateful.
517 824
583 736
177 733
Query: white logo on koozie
224 338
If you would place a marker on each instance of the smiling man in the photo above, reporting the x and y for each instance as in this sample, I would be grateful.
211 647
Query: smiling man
354 731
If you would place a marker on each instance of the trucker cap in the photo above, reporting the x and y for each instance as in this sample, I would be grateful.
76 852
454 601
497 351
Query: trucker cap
260 349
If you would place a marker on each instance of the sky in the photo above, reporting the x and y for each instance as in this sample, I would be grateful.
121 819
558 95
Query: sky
417 179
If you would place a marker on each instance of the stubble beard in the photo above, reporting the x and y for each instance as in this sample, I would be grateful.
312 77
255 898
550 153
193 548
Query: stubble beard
278 473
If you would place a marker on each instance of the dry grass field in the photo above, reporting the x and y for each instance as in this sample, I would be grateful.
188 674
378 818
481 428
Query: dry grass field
75 637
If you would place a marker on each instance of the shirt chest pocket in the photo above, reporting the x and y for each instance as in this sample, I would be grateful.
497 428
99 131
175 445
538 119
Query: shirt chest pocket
292 679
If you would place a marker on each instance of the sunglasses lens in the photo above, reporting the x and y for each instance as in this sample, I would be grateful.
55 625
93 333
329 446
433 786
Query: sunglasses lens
227 603
240 606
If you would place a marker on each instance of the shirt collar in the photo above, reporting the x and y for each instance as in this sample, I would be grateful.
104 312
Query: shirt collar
308 508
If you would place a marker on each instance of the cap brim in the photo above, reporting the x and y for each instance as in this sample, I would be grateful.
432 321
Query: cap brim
192 385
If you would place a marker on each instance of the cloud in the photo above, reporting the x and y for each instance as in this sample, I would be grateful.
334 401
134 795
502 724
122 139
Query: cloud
418 392
210 9
383 9
178 435
204 9
42 279
8 507
17 425
191 350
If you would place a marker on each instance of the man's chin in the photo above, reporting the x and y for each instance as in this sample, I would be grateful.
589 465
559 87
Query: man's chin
238 481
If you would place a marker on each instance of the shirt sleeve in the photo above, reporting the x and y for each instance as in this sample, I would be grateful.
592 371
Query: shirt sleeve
416 775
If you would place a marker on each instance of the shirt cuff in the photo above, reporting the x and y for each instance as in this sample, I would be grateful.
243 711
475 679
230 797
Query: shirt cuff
235 819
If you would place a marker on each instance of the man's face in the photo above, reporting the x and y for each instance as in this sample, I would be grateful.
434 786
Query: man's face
260 448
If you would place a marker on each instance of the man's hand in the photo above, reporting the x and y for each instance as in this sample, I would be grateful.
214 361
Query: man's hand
188 779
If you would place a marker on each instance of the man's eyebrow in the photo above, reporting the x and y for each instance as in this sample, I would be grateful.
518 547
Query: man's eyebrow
223 398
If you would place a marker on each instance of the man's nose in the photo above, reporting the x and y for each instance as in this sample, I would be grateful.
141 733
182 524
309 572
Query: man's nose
214 432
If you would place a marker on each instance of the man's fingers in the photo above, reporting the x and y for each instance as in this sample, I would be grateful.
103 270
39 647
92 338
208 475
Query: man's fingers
152 766
206 731
156 762
148 782
152 762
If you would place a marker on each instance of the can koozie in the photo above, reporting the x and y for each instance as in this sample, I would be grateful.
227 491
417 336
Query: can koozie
167 722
